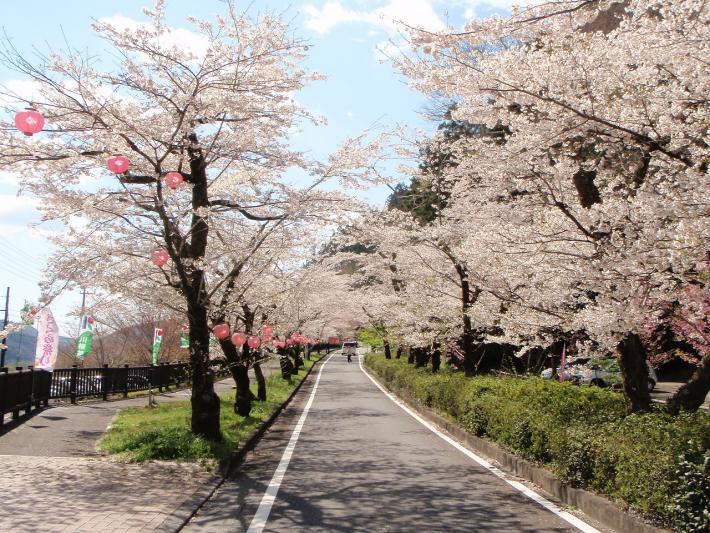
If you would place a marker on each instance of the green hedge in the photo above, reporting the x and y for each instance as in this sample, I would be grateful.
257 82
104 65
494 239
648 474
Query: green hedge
653 462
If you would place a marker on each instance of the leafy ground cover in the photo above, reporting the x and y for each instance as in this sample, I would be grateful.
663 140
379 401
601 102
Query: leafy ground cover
163 432
654 463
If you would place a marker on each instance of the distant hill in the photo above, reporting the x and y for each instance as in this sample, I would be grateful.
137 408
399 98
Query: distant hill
21 347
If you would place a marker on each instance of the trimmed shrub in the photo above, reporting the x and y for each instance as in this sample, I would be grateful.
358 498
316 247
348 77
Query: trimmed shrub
653 462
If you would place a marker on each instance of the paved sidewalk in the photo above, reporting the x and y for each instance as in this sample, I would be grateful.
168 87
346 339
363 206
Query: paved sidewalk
53 478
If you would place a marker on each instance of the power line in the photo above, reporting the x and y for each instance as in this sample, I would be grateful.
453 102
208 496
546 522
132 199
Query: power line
20 274
13 254
14 248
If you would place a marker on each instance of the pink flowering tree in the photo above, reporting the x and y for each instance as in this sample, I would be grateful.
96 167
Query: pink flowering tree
600 161
213 106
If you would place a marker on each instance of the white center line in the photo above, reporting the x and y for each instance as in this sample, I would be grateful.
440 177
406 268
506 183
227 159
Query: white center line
258 523
547 504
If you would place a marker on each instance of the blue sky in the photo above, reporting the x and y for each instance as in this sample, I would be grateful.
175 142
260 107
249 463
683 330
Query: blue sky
345 36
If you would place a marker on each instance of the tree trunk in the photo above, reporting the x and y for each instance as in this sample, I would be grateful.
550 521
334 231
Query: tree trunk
470 359
297 361
421 357
260 382
205 402
399 352
692 395
436 357
632 360
239 370
388 352
285 363
410 355
242 400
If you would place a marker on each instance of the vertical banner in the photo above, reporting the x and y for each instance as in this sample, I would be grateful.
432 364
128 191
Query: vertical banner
157 341
86 335
47 340
185 337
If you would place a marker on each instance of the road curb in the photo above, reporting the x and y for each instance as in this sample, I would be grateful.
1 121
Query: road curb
182 515
593 505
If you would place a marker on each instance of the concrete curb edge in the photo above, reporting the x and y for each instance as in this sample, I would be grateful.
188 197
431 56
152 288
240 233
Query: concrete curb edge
593 505
182 515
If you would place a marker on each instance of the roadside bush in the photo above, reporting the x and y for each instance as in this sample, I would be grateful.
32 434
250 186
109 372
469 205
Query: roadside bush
653 462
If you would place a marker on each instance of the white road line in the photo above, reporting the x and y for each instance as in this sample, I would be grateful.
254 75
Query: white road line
547 504
258 523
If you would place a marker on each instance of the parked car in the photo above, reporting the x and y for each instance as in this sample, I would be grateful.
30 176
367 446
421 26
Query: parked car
573 370
606 373
349 347
600 372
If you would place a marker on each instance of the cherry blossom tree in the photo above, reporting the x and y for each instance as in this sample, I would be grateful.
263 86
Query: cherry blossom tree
603 154
216 110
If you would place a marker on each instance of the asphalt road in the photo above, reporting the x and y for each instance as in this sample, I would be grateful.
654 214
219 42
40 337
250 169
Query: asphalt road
361 463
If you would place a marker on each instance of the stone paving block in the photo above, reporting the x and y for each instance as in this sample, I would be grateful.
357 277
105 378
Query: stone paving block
45 493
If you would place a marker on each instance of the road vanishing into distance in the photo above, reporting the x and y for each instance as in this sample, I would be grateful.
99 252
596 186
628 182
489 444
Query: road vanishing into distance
343 456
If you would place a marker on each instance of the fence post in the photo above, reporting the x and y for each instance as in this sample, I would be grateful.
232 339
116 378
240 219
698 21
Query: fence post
104 383
28 410
72 384
125 380
4 382
18 388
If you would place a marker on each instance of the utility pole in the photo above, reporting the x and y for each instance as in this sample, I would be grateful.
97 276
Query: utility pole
4 325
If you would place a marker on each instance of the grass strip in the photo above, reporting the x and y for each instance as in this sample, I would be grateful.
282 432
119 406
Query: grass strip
163 432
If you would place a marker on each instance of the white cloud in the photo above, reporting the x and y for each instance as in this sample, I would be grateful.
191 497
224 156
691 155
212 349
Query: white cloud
10 203
475 6
23 89
179 38
418 13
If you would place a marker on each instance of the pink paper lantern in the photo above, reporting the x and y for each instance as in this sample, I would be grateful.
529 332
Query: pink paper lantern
160 257
29 121
267 330
238 339
118 164
221 331
266 339
254 342
279 344
173 179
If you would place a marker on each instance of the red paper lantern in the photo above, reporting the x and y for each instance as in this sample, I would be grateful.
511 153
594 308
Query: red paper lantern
118 164
29 121
160 257
173 179
221 331
254 342
238 339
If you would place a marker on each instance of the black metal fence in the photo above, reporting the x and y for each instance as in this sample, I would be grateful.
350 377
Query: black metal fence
25 389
